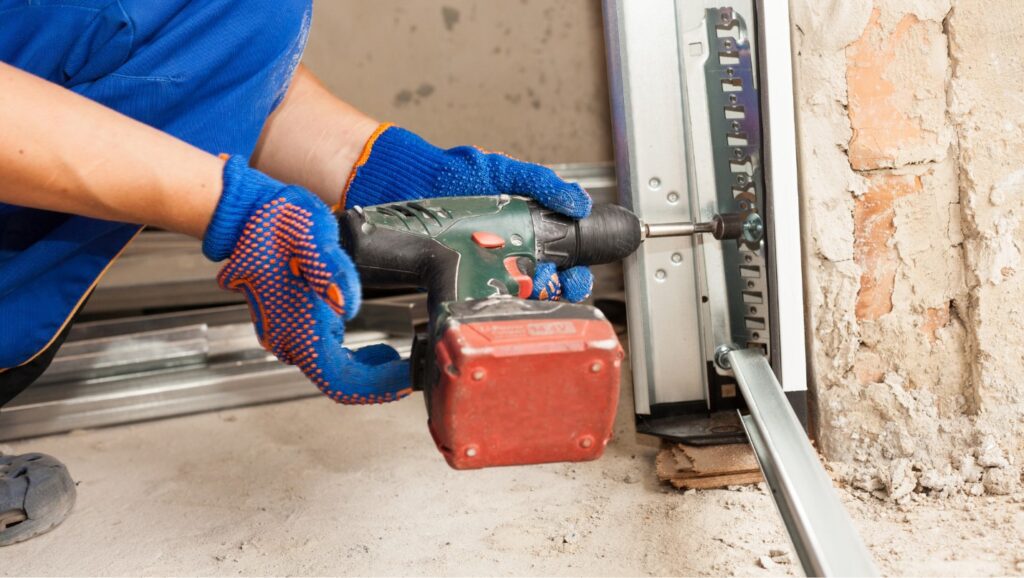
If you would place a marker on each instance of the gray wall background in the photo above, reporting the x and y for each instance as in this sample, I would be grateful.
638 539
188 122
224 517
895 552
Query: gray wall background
524 77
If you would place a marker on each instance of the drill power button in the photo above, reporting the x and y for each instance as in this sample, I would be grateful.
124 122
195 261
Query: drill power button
488 240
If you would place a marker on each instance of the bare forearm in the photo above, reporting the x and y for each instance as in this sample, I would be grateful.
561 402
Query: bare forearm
62 152
313 138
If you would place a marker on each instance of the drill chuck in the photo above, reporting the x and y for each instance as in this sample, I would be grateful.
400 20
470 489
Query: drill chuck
611 233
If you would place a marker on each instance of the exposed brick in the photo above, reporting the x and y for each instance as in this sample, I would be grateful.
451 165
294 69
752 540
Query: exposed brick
868 367
873 228
935 318
895 94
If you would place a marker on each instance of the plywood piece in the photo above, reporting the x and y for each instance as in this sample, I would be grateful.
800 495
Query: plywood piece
704 467
723 459
712 482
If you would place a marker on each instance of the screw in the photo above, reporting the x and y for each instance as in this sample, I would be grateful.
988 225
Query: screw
732 99
677 258
737 154
595 367
586 442
727 44
735 126
478 375
673 197
741 179
654 183
722 356
471 452
660 274
516 240
753 228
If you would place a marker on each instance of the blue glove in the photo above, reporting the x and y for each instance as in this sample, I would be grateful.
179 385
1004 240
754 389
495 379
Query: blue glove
301 286
397 165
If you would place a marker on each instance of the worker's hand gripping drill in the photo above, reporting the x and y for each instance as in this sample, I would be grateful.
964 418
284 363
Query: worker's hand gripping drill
301 287
397 165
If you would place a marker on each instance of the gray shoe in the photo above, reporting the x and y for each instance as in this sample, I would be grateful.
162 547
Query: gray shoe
36 494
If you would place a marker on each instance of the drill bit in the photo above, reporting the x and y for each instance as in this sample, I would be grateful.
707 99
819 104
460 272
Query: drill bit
721 226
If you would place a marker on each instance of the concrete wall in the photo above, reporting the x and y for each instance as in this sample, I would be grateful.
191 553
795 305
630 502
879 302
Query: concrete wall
524 77
911 144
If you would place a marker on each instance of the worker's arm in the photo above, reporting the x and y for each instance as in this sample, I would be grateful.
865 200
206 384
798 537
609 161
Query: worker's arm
314 139
62 152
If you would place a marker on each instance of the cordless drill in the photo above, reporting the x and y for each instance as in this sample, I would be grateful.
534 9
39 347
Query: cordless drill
506 380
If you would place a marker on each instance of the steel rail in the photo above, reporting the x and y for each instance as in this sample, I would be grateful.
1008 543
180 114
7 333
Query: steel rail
822 533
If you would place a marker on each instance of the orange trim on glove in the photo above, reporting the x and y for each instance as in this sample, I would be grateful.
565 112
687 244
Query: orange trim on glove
363 158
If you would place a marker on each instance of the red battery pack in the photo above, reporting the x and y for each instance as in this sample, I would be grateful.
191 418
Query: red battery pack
525 388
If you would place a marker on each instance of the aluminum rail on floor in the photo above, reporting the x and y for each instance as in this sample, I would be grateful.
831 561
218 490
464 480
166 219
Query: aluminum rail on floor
823 534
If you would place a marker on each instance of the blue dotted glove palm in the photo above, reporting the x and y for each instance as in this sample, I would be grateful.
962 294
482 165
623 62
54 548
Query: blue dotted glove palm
301 286
397 165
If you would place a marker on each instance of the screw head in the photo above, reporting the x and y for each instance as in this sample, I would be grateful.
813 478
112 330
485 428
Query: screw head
586 442
660 274
753 228
722 356
596 367
478 374
471 452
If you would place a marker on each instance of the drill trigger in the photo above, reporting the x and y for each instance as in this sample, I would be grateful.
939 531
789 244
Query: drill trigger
524 281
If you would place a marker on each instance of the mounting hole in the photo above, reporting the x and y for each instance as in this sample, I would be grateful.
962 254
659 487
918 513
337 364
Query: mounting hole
755 335
703 298
750 284
753 310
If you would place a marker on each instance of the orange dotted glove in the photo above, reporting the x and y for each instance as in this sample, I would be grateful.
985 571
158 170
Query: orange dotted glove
301 286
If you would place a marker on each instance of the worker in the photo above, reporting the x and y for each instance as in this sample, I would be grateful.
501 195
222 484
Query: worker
197 118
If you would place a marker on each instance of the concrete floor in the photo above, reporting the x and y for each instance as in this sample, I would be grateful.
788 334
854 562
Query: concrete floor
311 488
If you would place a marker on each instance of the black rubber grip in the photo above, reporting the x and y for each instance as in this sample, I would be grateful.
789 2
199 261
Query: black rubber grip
611 233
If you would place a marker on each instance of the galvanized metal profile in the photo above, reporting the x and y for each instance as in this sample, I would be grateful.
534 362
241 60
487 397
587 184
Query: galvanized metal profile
822 533
651 140
127 370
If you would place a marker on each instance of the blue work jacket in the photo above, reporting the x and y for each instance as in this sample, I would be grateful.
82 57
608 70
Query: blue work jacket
209 72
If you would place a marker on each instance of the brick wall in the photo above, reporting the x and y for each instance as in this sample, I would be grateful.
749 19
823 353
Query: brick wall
912 182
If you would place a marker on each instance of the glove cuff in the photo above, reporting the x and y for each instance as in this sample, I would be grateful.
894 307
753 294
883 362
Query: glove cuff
240 196
395 165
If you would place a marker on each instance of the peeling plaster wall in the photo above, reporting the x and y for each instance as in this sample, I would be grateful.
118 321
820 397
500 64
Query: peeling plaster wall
525 77
910 115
